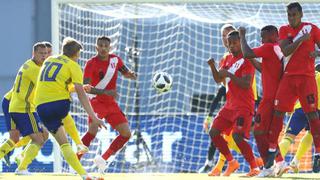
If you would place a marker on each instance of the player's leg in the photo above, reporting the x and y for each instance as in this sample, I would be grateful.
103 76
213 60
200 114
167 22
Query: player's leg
51 115
71 129
284 102
28 125
304 145
221 123
240 133
308 97
209 161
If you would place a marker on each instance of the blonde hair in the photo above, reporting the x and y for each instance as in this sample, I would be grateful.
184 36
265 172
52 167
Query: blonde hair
70 47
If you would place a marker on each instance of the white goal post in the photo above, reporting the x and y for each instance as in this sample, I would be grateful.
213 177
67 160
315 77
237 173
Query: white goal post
176 38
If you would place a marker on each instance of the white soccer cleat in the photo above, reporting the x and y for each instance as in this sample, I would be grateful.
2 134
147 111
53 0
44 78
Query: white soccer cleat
100 163
281 168
82 149
267 173
88 177
24 172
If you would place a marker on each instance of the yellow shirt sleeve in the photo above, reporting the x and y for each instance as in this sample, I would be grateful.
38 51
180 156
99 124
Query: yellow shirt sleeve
76 74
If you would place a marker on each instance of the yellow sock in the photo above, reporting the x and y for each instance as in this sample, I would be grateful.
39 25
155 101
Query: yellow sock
71 129
304 145
72 159
23 141
232 144
31 151
284 145
220 162
6 147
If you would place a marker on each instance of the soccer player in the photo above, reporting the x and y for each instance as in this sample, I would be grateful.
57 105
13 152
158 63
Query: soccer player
22 108
237 113
297 122
271 72
101 71
297 42
53 98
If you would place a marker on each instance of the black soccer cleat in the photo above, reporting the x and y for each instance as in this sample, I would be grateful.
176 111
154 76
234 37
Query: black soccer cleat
316 164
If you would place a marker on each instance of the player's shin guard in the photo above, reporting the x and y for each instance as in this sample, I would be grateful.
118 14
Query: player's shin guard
72 159
221 144
6 147
247 153
262 144
285 144
274 131
71 129
116 144
30 153
315 131
304 145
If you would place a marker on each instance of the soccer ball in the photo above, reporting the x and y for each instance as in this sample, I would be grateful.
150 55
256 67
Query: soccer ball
162 82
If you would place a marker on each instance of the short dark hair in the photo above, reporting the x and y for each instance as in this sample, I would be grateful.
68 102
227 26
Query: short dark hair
103 38
48 44
317 67
294 5
70 47
233 34
38 45
269 28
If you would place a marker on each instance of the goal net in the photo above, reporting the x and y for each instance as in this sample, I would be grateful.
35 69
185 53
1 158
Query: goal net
177 38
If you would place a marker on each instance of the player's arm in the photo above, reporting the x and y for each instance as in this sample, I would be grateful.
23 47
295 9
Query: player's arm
127 73
92 90
247 51
288 48
244 81
215 73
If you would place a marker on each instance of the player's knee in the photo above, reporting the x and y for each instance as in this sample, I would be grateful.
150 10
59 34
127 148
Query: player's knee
126 134
237 137
45 136
213 132
14 135
289 137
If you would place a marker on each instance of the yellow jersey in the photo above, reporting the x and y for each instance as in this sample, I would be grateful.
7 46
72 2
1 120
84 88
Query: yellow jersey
22 99
298 105
57 73
8 95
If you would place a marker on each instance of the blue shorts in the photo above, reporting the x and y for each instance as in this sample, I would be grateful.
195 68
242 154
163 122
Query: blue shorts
298 122
27 123
7 118
52 114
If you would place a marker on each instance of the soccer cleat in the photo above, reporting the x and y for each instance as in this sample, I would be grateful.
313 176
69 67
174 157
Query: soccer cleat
232 167
316 163
24 172
214 172
259 161
100 163
206 168
7 160
82 149
267 173
281 168
87 177
253 172
294 166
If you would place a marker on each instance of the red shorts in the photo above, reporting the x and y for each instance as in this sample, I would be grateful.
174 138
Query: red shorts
292 88
264 115
237 120
111 112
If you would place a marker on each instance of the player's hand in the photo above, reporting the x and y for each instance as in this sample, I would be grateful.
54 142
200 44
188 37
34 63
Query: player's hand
206 123
242 31
112 93
98 122
314 54
211 62
132 75
87 88
223 73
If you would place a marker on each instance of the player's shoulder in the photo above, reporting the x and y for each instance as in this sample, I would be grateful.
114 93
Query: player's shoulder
115 56
309 23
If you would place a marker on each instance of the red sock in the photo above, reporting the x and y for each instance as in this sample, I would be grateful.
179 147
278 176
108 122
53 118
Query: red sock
247 153
86 140
222 145
274 131
315 131
116 144
262 144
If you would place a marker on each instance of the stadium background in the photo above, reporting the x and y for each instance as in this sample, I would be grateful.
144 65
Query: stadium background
29 21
